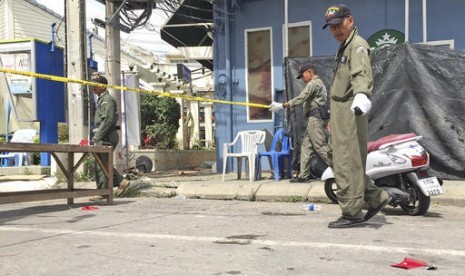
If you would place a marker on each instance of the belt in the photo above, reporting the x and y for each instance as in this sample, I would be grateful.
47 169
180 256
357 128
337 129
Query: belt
313 113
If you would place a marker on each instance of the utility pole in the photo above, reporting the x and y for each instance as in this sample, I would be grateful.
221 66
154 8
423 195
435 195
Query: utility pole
113 68
76 67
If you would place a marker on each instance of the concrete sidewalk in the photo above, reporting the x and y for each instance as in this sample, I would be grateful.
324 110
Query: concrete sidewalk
207 185
210 186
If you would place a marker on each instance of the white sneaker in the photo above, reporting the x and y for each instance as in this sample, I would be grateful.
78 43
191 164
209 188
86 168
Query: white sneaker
96 198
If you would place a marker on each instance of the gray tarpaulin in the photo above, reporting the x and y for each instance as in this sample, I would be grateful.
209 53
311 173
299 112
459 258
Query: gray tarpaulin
417 88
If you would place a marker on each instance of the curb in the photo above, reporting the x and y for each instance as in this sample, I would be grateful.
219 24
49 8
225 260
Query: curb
284 192
211 187
454 192
252 191
219 191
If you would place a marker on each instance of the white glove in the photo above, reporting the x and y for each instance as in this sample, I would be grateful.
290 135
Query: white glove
274 107
361 102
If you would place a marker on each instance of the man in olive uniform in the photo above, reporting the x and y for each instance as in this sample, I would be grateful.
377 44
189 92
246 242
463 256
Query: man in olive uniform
105 133
351 86
313 97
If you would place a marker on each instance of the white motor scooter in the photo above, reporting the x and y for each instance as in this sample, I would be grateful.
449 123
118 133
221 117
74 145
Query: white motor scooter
398 164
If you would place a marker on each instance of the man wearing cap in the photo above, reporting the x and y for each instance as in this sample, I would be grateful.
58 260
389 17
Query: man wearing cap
350 88
313 97
105 133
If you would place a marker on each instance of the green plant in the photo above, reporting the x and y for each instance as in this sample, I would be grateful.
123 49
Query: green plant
45 171
159 121
27 171
35 156
87 174
297 198
197 147
63 133
130 193
89 168
82 177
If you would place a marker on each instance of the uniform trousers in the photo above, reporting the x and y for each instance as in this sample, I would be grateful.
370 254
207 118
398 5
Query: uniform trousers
314 141
348 142
111 140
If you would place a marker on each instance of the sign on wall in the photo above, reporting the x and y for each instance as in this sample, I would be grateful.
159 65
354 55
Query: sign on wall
17 61
384 38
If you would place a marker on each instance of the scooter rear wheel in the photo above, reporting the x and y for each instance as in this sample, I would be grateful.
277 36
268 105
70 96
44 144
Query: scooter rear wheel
331 189
418 203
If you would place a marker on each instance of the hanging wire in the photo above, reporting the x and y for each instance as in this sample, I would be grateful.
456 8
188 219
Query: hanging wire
134 20
57 37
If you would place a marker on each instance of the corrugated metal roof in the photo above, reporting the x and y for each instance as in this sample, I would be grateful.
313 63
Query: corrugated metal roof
189 27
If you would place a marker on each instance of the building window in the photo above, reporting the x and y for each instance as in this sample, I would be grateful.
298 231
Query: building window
259 73
299 37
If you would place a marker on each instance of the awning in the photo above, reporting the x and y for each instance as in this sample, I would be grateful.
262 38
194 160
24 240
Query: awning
190 26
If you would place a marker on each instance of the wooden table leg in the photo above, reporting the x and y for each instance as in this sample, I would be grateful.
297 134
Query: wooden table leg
110 178
71 175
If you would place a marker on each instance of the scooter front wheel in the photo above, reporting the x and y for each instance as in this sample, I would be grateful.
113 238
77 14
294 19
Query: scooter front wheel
418 203
331 189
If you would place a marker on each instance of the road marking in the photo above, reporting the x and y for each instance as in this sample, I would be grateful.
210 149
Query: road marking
371 248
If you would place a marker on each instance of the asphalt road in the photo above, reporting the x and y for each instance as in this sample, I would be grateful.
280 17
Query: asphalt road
153 236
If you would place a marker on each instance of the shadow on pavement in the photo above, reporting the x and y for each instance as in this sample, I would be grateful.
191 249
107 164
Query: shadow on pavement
16 214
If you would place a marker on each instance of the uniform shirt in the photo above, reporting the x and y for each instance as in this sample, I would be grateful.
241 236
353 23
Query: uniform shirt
312 96
105 116
352 70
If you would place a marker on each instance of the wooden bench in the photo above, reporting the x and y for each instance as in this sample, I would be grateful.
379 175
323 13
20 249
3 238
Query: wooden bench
68 170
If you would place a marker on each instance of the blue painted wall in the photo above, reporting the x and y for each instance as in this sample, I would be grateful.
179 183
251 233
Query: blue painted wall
50 95
233 17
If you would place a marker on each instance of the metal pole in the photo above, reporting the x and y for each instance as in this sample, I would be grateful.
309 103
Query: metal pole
425 32
229 96
407 18
124 125
286 28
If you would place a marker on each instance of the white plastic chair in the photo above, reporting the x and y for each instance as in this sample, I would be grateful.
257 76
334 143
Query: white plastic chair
250 140
20 136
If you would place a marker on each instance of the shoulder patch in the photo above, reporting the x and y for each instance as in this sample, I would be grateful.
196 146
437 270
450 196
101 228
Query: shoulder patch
362 50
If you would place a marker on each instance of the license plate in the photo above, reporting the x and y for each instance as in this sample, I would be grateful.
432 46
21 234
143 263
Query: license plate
430 186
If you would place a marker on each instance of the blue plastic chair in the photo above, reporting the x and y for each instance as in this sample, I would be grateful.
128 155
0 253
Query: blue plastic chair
18 158
277 157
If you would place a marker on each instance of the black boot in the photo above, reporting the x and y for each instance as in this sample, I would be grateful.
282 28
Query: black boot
343 222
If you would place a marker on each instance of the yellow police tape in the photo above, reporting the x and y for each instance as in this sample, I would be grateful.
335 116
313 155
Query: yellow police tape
117 87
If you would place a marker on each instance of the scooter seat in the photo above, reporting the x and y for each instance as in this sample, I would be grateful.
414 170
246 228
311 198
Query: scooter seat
388 139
